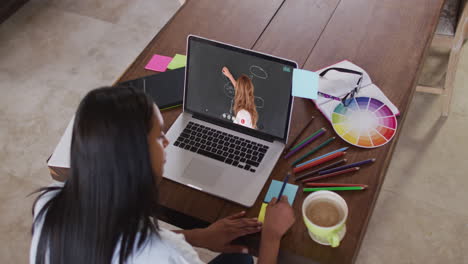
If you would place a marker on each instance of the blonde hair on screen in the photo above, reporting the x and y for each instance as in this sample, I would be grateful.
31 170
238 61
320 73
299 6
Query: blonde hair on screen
245 99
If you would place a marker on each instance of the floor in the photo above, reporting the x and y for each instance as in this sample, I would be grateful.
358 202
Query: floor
54 51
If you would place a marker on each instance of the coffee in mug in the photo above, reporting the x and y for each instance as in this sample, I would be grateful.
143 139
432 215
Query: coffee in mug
325 214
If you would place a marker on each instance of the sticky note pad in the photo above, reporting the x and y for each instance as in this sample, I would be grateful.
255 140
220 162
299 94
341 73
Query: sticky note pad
275 187
261 215
178 61
305 84
158 63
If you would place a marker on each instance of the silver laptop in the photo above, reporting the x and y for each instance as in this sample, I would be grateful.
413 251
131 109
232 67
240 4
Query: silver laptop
234 123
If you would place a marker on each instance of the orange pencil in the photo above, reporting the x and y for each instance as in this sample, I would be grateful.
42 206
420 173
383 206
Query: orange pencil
313 184
331 174
318 162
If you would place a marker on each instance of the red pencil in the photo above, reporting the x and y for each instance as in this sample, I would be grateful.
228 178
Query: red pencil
318 162
310 184
331 174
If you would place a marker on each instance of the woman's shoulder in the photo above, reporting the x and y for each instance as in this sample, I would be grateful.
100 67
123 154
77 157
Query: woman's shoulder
46 195
244 114
165 246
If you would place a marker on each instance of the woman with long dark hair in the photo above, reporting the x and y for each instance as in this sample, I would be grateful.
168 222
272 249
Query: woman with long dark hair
106 210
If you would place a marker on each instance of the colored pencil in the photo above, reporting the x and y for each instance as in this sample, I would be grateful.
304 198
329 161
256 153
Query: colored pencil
331 174
323 156
347 166
355 188
307 138
299 134
310 140
318 162
309 174
314 184
326 142
285 181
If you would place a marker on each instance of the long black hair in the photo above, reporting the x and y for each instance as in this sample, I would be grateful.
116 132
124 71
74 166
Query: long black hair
111 193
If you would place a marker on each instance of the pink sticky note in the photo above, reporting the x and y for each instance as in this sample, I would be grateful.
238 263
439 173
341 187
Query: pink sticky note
158 63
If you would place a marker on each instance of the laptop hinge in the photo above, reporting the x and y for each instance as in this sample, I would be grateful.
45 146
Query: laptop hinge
235 127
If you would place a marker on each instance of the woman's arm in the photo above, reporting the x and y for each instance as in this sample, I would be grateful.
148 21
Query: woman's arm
279 218
269 247
193 236
219 235
228 74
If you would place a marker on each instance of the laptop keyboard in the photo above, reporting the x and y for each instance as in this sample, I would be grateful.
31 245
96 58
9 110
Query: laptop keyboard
221 146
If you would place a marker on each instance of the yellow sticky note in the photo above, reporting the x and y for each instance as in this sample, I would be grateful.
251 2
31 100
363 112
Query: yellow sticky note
178 61
261 215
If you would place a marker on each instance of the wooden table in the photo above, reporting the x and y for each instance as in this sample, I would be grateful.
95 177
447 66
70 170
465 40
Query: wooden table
388 38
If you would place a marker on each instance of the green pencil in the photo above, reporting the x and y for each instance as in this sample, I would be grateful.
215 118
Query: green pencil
357 188
326 142
309 137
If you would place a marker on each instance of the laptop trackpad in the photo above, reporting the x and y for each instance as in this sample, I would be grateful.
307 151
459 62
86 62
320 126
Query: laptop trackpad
203 173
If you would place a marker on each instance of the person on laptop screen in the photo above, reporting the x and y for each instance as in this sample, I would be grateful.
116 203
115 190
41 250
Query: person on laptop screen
244 100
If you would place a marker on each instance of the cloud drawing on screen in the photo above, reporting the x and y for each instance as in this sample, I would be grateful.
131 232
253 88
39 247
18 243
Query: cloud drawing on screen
243 109
258 72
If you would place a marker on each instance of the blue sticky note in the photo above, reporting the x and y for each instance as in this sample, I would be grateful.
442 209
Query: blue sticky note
275 188
305 84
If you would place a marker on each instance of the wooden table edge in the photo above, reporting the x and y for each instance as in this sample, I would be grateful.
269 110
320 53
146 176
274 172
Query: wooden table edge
397 137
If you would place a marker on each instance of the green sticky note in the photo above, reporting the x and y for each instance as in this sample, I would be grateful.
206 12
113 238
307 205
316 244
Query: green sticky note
275 188
178 61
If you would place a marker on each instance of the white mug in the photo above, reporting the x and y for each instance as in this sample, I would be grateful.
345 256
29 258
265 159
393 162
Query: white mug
332 235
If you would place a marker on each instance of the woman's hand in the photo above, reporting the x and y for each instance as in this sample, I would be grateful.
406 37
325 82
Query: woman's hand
279 217
228 74
226 71
219 235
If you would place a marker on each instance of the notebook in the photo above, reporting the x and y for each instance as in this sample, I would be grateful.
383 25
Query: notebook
166 88
339 84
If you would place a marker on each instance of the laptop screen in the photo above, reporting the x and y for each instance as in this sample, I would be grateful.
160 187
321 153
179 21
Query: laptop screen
247 89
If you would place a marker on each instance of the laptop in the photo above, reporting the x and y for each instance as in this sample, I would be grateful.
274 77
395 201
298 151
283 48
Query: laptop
236 116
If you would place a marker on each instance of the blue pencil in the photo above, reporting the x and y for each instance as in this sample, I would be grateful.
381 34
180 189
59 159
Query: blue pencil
356 164
284 185
324 155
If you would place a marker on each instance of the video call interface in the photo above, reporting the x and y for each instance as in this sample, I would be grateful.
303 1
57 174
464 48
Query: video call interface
240 88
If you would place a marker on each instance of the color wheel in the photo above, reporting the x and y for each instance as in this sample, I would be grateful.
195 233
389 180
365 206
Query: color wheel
365 122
